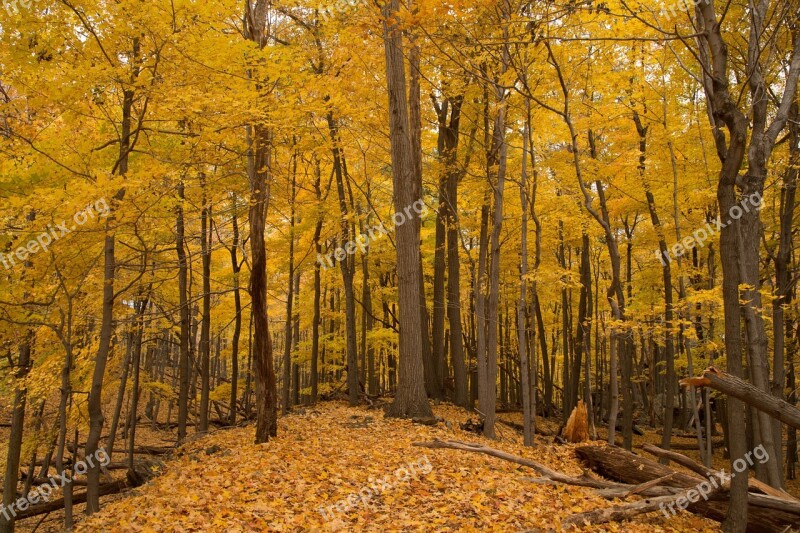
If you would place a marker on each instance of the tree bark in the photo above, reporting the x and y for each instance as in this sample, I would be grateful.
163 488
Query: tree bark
259 170
410 400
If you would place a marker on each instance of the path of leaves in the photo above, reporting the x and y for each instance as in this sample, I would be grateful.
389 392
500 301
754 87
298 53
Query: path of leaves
223 482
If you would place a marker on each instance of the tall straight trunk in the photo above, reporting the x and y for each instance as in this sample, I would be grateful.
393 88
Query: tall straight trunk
63 406
522 304
136 365
449 148
499 160
317 320
461 395
783 325
95 407
783 260
433 385
566 330
370 383
296 341
126 364
583 330
501 149
547 373
287 344
183 296
259 171
236 266
411 399
536 311
479 298
666 271
480 277
205 327
586 329
15 438
347 264
94 402
266 393
440 252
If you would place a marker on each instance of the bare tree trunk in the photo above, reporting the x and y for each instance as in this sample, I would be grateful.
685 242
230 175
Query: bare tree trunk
740 239
15 438
522 303
136 364
317 320
287 343
94 402
449 148
205 327
783 260
411 399
666 271
95 405
183 295
260 173
126 364
347 264
237 326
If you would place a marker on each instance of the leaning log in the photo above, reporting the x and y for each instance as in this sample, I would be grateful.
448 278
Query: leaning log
748 393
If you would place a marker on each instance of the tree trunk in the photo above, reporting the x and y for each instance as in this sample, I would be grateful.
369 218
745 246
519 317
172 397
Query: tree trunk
528 419
237 325
259 170
183 295
205 327
347 263
287 331
15 438
410 400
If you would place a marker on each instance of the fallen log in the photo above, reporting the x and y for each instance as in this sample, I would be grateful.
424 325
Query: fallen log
755 485
626 511
748 393
548 473
106 489
766 513
138 450
662 487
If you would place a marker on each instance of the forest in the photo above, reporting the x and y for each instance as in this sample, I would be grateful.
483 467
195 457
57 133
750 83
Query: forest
299 265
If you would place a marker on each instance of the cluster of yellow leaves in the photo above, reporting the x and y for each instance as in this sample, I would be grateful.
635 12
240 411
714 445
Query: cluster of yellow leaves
225 483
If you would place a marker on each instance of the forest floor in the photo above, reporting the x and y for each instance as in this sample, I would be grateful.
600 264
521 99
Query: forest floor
223 482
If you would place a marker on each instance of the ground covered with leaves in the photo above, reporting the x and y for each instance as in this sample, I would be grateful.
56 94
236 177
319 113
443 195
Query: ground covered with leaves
324 455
